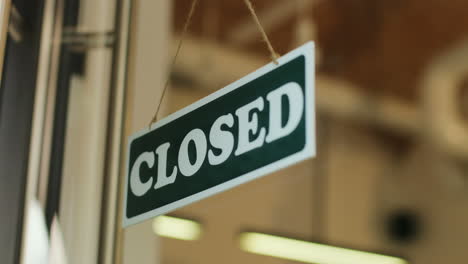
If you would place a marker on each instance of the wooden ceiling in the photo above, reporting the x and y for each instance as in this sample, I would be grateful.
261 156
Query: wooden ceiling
380 45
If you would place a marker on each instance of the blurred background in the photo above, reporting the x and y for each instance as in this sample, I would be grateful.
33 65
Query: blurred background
391 173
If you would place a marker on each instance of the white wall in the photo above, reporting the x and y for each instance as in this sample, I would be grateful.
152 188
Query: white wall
149 54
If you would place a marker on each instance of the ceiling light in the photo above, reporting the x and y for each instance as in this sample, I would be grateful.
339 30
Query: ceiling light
309 252
177 228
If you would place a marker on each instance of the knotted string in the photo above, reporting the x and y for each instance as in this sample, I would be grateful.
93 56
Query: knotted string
274 55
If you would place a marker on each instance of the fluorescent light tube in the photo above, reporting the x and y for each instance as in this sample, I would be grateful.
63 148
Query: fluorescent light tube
309 252
177 228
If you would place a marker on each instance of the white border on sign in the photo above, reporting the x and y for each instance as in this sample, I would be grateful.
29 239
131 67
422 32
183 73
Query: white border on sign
308 151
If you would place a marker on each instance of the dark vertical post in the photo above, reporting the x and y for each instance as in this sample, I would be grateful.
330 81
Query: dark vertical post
16 106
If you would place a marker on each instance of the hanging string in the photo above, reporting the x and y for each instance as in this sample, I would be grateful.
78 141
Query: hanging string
179 46
274 55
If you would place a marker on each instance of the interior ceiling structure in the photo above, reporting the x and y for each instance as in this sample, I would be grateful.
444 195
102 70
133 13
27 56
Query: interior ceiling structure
381 46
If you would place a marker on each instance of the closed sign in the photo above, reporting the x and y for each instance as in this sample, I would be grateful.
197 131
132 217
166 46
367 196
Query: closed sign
254 126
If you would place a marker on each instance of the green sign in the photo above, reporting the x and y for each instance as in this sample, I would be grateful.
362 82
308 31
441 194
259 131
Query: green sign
254 126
